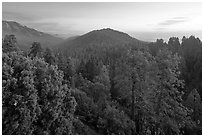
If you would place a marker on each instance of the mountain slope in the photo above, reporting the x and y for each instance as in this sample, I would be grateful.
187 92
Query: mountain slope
103 37
26 36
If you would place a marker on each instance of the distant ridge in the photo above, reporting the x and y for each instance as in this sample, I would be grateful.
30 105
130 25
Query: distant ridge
26 36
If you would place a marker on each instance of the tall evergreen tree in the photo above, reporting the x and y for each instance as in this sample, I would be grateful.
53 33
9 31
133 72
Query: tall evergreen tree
171 115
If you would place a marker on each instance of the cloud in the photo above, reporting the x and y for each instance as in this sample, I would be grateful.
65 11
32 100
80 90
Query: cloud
173 21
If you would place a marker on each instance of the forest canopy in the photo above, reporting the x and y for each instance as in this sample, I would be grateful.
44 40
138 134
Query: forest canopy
138 88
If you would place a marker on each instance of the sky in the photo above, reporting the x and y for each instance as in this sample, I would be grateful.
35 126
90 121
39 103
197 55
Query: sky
145 21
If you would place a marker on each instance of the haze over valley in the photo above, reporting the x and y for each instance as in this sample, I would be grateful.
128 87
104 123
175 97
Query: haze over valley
144 21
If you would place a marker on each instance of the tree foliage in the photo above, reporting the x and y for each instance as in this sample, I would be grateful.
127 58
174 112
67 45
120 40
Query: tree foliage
121 90
36 50
35 101
9 43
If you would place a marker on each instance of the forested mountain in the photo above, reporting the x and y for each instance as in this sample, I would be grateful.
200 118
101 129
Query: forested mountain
103 82
26 36
100 38
99 43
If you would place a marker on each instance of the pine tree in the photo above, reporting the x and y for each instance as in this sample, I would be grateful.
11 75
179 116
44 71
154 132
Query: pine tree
171 115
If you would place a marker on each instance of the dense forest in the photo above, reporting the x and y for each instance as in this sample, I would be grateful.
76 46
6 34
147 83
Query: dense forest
143 88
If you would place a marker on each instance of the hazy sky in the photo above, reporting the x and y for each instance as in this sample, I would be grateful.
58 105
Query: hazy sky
145 21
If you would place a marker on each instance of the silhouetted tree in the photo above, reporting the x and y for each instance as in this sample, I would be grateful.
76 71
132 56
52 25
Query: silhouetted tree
174 45
192 70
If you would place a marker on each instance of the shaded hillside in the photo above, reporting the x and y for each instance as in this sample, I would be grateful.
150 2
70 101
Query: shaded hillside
26 36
